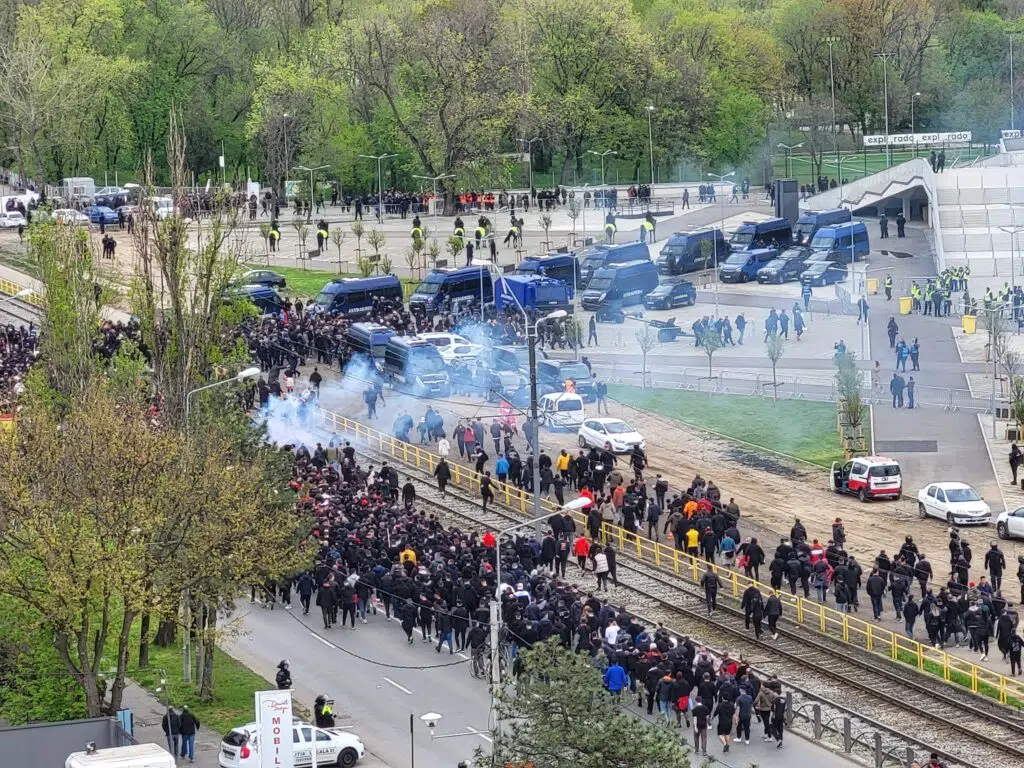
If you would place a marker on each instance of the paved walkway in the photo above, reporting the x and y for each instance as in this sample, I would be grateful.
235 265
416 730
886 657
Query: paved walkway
148 712
930 445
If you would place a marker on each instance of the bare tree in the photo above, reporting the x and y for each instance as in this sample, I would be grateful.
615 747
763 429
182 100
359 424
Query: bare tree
646 339
774 348
710 342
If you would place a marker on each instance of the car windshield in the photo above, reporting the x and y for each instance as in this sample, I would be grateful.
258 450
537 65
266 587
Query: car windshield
593 262
618 428
775 264
672 250
822 241
570 405
661 290
792 253
962 494
741 238
425 361
324 299
600 283
817 266
577 371
428 289
739 259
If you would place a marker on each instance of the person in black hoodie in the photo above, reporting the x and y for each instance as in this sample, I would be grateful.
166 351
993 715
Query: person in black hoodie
773 610
443 473
171 725
348 603
460 625
444 627
328 603
304 586
911 610
409 615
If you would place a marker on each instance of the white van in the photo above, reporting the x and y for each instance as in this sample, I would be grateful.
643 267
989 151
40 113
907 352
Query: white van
868 477
561 410
133 756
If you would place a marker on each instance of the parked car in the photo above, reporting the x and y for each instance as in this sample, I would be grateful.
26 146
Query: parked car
100 213
868 477
789 265
334 746
1010 524
671 293
12 220
820 273
70 216
461 353
261 277
956 503
618 434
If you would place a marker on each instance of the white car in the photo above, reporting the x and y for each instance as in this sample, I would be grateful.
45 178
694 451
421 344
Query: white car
1010 524
561 410
956 503
444 341
71 216
614 432
334 746
460 353
12 220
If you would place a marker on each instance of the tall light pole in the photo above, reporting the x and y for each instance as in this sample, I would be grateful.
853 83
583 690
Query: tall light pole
721 179
602 156
1013 110
913 122
248 373
650 141
310 171
529 154
884 56
380 183
789 149
435 179
832 79
496 603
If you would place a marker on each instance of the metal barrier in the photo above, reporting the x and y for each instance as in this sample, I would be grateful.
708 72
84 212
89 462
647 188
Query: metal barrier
35 299
807 612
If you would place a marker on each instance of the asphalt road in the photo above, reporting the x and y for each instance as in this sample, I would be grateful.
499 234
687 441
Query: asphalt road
376 700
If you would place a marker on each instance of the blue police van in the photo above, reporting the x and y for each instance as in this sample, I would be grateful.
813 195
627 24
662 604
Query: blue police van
811 221
620 285
842 243
559 266
353 296
266 299
444 288
755 235
685 251
602 255
414 365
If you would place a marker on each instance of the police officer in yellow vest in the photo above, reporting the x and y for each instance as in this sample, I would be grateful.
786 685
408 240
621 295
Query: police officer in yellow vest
274 236
888 287
417 233
609 227
647 228
324 712
321 234
460 228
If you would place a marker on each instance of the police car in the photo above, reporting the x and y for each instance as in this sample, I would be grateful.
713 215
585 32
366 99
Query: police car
868 477
334 746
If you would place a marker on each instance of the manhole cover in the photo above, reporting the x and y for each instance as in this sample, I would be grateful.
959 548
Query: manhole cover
906 446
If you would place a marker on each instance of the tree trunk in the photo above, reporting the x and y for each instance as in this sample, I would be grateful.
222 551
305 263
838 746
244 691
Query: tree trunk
206 686
166 634
200 640
775 385
144 642
186 653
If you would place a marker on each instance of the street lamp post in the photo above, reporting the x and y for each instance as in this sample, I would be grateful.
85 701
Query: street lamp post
248 373
380 183
721 179
310 171
789 149
495 610
435 179
529 155
1013 110
602 156
884 56
840 165
913 122
650 141
832 79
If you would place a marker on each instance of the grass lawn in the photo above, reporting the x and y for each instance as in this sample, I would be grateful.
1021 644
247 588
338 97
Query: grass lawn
806 430
859 164
233 685
308 282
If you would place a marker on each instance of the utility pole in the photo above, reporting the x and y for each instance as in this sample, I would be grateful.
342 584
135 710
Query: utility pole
529 155
380 183
650 142
602 156
884 56
832 79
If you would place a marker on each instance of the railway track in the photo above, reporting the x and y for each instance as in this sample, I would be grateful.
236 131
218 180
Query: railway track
914 712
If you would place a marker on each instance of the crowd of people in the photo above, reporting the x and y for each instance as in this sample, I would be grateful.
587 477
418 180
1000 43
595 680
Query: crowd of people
379 554
18 352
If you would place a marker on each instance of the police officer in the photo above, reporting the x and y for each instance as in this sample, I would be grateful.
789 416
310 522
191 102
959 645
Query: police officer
323 712
883 226
888 287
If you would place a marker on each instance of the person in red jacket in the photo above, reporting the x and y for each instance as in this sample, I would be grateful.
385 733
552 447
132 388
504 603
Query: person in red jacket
581 548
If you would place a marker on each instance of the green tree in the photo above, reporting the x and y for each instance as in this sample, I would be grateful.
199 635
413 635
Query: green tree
710 342
559 714
774 349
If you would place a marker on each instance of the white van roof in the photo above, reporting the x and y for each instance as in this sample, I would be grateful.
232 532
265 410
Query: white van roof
133 756
558 396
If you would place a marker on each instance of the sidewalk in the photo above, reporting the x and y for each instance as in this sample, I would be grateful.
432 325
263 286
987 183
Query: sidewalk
148 712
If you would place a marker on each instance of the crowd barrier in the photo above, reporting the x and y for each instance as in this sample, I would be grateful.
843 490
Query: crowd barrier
805 611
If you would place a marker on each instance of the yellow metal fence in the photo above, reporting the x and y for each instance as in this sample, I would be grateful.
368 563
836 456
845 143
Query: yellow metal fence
810 613
35 298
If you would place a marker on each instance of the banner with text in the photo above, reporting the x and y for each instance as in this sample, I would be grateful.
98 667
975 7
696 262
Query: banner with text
1009 133
910 139
274 729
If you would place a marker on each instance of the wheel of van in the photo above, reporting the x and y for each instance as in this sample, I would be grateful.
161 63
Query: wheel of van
921 510
348 758
949 518
581 441
1002 531
862 494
